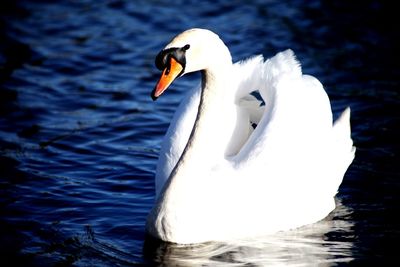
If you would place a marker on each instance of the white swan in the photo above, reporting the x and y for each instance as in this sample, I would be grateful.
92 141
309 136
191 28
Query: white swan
220 179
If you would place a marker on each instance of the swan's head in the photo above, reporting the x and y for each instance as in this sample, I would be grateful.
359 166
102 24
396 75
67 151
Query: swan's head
193 50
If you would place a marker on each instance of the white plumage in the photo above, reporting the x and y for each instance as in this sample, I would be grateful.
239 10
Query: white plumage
218 178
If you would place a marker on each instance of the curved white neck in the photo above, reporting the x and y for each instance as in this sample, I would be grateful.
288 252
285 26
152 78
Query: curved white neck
212 129
210 134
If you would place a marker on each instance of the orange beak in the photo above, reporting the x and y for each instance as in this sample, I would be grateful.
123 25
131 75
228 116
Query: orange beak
169 74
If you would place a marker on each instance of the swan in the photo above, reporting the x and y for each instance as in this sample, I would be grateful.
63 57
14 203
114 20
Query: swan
251 152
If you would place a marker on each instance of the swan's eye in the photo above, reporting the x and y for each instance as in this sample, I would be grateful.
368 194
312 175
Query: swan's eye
163 58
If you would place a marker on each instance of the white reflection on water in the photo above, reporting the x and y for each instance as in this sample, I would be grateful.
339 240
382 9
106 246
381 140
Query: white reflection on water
301 247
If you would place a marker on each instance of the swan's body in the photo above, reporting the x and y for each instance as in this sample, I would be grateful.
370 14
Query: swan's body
218 178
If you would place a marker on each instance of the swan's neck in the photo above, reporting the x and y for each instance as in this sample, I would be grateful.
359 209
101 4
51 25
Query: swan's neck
212 129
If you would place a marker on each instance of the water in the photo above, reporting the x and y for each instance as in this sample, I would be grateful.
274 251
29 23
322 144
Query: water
79 134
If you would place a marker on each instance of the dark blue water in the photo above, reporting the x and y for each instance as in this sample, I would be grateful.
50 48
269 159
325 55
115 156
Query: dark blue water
79 134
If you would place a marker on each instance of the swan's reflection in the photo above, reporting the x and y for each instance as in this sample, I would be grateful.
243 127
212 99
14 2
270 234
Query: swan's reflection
306 246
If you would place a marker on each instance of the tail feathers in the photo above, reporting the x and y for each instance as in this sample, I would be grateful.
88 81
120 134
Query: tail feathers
342 128
341 153
342 135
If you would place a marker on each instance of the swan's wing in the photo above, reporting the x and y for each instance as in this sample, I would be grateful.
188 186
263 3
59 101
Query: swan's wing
294 160
177 135
292 145
256 85
249 103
